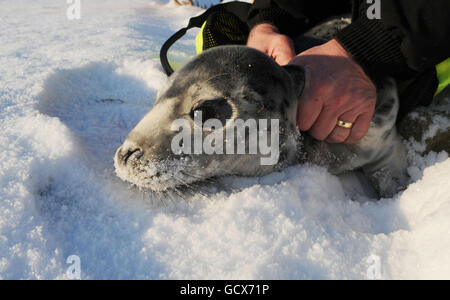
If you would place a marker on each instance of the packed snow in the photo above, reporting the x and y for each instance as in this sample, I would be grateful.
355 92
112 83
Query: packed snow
71 90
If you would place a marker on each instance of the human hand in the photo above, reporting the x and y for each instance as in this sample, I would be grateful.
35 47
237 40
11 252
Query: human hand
337 89
266 38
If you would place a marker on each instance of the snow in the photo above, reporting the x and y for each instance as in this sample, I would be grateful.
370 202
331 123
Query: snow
70 91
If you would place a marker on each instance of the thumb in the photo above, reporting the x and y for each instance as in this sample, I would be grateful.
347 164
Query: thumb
284 56
284 52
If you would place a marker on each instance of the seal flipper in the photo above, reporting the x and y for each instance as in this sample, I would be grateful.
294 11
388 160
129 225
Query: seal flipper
387 171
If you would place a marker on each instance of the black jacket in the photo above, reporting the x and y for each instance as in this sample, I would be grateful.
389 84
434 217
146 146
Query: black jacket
409 40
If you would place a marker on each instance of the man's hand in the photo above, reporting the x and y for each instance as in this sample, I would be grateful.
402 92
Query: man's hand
337 89
266 38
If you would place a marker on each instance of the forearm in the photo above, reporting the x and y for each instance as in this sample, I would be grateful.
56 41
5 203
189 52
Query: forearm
295 17
410 35
268 11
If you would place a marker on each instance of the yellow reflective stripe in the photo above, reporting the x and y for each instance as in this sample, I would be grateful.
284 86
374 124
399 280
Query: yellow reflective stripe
443 73
199 40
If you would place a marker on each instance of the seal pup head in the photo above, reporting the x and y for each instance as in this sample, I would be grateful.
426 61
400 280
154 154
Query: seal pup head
226 85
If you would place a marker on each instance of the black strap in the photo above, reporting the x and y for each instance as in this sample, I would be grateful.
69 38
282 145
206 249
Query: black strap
240 9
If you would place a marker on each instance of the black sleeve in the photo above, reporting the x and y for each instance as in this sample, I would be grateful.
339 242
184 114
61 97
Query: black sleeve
410 34
293 17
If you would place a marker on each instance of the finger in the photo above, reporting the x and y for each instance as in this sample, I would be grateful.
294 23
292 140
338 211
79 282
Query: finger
309 106
339 134
360 128
285 55
325 124
308 112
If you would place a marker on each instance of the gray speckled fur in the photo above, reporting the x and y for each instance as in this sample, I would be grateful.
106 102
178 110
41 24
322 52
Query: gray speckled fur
257 88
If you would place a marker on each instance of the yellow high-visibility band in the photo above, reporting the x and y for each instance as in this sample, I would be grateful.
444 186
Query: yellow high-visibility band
199 40
443 73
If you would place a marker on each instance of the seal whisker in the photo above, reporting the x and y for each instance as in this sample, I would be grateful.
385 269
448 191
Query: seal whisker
190 190
191 185
171 196
226 186
161 198
201 190
227 173
213 180
184 184
175 189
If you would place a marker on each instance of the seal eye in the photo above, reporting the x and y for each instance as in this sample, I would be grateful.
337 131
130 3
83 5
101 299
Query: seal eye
213 109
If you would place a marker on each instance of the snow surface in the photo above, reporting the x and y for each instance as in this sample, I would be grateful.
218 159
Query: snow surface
70 91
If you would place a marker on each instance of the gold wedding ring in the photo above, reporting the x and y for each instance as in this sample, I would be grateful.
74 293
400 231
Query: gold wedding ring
343 124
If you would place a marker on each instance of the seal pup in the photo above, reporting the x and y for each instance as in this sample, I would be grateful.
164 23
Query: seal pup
236 82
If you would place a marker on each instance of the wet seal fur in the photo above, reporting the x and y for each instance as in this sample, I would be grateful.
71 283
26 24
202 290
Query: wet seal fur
238 82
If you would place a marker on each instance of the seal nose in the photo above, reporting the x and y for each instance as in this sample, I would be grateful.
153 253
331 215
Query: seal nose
124 154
